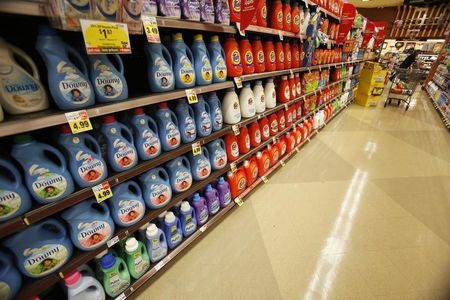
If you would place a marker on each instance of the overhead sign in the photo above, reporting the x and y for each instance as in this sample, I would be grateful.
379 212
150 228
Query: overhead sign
347 19
382 29
248 10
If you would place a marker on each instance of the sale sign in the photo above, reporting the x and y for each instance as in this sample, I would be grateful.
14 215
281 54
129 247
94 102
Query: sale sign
248 10
368 33
347 19
382 28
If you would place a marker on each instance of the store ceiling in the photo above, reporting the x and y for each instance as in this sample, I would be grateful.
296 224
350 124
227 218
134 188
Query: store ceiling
375 3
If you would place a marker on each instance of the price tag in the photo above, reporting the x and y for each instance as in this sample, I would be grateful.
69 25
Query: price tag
102 191
309 140
320 68
113 241
101 37
151 28
78 121
191 96
286 106
329 44
309 70
238 81
264 179
161 264
233 167
203 228
121 297
241 32
61 275
280 35
196 149
274 140
291 72
260 116
26 221
282 163
238 201
297 150
235 129
306 3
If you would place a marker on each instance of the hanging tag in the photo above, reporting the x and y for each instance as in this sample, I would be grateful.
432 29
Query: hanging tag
274 140
196 149
297 150
78 121
203 228
191 96
238 201
264 179
151 29
102 37
121 297
233 167
235 129
260 116
238 81
309 69
282 163
320 68
102 191
306 3
238 26
113 241
291 72
286 106
280 35
161 264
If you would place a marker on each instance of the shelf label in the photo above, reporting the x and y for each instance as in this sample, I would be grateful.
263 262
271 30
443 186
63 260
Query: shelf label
203 228
291 72
309 140
297 150
191 96
329 44
282 163
151 29
61 275
274 140
280 35
78 121
238 81
238 201
101 37
235 129
264 179
238 26
233 167
113 241
161 264
102 191
286 106
121 297
196 149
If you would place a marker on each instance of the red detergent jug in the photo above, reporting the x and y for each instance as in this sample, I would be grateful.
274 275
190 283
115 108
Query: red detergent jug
304 129
281 120
279 54
232 147
245 49
294 112
292 87
288 116
273 124
255 134
291 141
274 153
270 55
251 170
233 57
235 10
283 90
237 182
298 85
264 128
295 16
295 55
261 13
298 135
243 140
263 159
258 55
287 20
282 146
287 55
276 11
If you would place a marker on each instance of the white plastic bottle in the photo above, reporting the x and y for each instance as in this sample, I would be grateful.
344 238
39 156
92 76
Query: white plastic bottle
83 287
270 94
260 102
20 92
247 101
230 107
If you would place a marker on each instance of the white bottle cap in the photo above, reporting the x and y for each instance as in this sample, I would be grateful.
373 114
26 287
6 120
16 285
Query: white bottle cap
258 154
291 76
284 77
101 254
144 227
162 215
185 207
170 217
270 80
246 163
297 74
131 244
152 230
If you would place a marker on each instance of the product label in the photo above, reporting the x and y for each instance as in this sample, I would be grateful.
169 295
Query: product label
283 149
203 168
47 185
297 56
251 106
297 20
249 58
254 173
107 83
160 193
287 93
93 233
187 73
288 56
218 118
73 87
215 205
282 122
5 290
130 211
266 165
247 141
266 131
275 155
260 56
140 265
44 260
124 154
21 89
206 68
293 90
264 12
116 283
236 110
151 144
236 6
90 168
289 117
258 137
234 149
203 215
241 184
236 58
175 236
189 127
163 73
220 159
157 251
280 16
205 122
221 68
274 126
173 136
189 225
183 180
288 18
227 198
272 56
9 203
281 57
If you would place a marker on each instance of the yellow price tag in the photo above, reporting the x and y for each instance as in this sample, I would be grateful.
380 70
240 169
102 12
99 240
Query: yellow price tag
78 121
238 81
238 201
282 163
191 96
196 149
297 150
329 44
286 106
102 191
151 29
264 179
233 167
105 37
235 129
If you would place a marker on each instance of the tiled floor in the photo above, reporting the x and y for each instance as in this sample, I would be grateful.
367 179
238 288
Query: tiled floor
362 212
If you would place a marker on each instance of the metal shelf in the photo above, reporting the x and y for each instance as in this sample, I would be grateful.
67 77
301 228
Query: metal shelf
443 115
271 31
194 25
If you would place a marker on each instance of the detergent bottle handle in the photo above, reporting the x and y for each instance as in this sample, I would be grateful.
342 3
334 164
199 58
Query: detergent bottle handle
185 162
97 150
152 124
174 118
167 55
103 206
58 155
126 133
222 144
223 53
164 173
208 108
17 178
119 62
78 57
206 151
54 223
137 188
194 215
190 55
162 237
191 111
28 60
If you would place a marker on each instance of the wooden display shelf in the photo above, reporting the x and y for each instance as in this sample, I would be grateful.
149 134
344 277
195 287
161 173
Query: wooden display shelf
274 32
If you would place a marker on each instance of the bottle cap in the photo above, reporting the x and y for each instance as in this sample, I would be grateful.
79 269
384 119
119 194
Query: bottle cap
185 207
196 197
65 129
46 30
177 36
269 80
198 37
229 90
209 188
246 163
247 84
221 180
131 244
258 82
162 105
170 217
109 119
215 38
291 76
108 261
152 230
138 111
144 227
284 77
162 215
72 278
23 139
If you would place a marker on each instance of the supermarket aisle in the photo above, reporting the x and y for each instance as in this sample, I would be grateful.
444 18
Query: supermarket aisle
362 212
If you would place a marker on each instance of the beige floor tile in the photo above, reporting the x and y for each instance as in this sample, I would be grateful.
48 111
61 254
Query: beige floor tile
443 294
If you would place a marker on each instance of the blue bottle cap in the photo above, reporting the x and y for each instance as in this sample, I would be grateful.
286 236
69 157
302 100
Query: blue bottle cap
208 188
196 197
108 261
221 179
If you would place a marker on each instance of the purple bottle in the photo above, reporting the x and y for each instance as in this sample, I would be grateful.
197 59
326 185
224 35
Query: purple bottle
207 11
223 188
190 10
201 210
212 200
222 12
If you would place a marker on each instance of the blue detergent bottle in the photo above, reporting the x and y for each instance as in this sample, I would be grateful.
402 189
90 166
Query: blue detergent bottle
215 111
70 88
109 82
90 224
172 230
84 157
45 171
179 170
200 164
202 117
156 243
188 219
217 154
145 132
202 63
156 188
117 144
10 279
41 248
159 68
217 58
186 121
169 132
183 63
14 197
127 205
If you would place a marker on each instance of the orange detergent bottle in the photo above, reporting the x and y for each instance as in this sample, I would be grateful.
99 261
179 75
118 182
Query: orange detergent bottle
245 49
295 15
255 134
279 54
232 147
288 116
294 112
287 20
270 55
243 140
233 57
281 120
235 10
265 129
258 55
292 87
261 13
298 135
274 152
251 170
282 146
276 19
295 55
290 141
298 86
283 90
263 159
273 124
237 182
287 55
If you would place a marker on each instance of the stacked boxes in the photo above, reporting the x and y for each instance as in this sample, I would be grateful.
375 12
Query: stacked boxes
371 84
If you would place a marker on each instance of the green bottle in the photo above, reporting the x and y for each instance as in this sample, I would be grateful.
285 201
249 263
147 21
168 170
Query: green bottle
115 275
137 257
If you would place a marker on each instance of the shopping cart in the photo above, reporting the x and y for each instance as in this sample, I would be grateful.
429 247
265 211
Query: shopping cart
403 85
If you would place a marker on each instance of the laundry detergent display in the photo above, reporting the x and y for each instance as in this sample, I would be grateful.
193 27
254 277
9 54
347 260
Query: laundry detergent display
159 70
145 133
183 63
156 188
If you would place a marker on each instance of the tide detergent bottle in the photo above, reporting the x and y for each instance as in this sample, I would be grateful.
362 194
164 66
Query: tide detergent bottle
137 258
188 219
212 200
233 57
231 107
183 63
232 147
235 10
223 188
255 134
200 164
215 111
243 140
169 133
156 243
145 133
14 197
20 92
81 287
251 170
70 88
245 49
41 248
127 205
265 129
179 170
156 188
202 117
258 92
258 54
115 275
109 83
217 57
90 224
186 121
270 94
201 209
10 279
159 68
247 101
218 155
263 159
202 63
117 144
46 177
237 182
84 157
270 56
172 230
